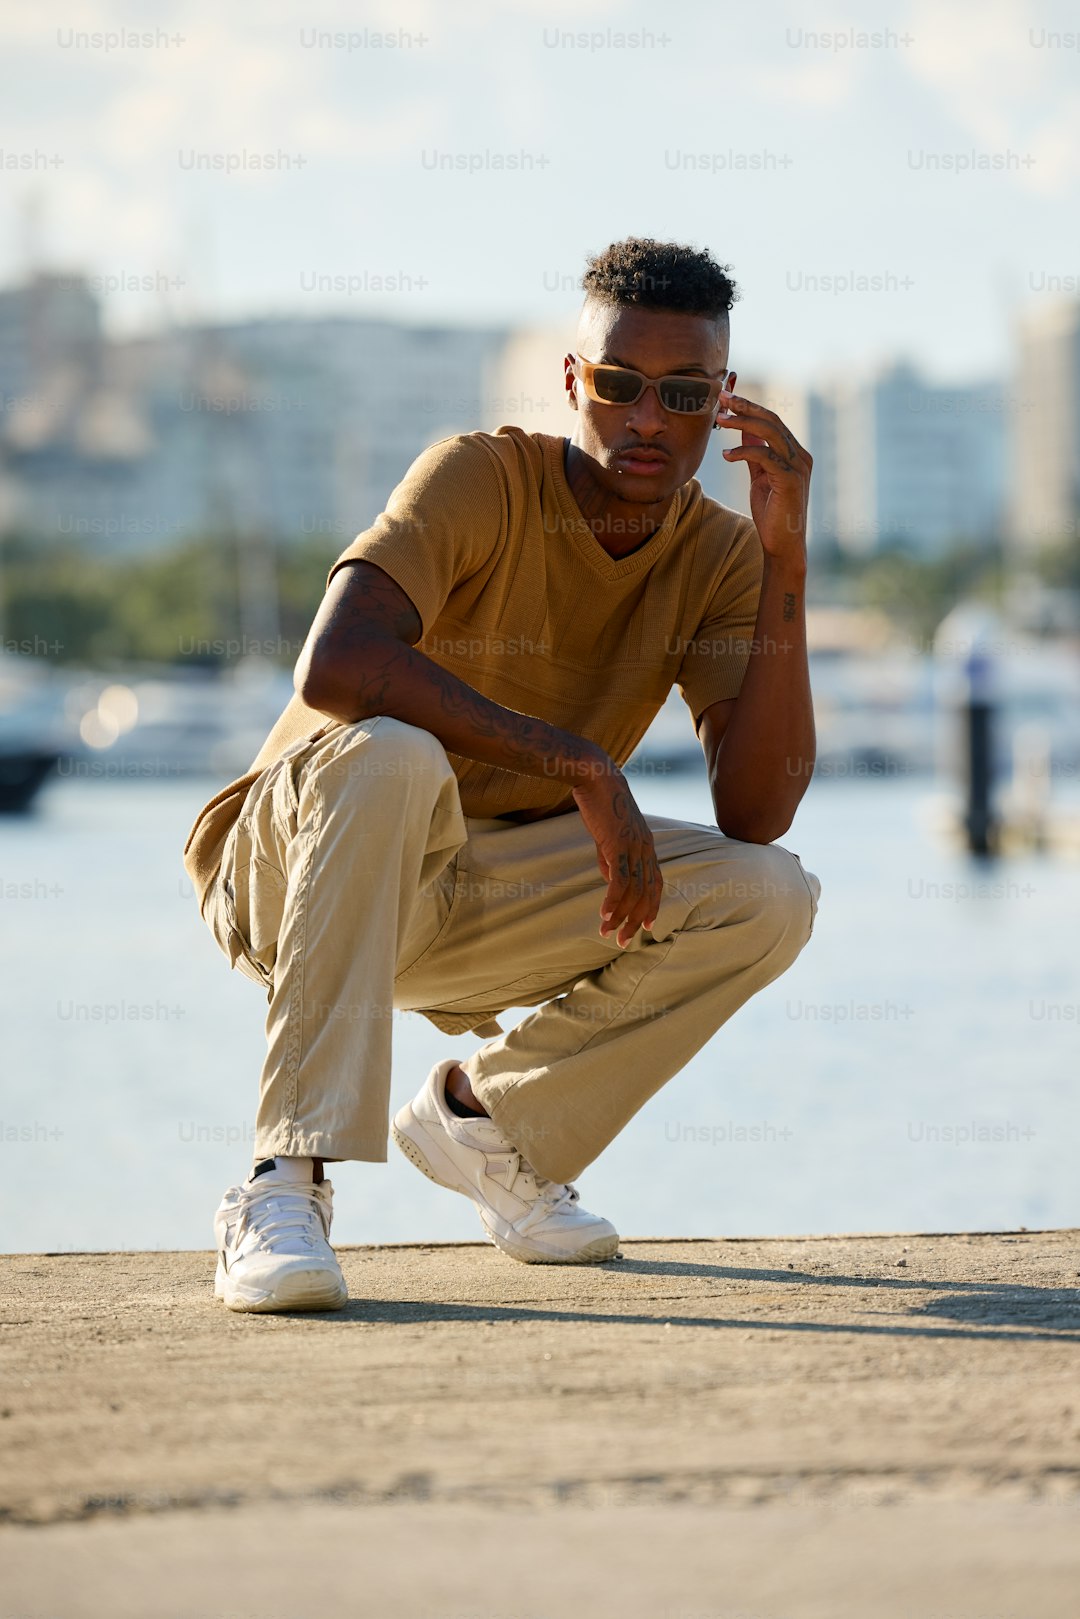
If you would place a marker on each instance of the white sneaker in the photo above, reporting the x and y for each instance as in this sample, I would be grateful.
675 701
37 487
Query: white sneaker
271 1236
526 1216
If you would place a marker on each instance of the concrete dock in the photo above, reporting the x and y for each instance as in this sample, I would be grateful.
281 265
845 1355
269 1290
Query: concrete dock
804 1428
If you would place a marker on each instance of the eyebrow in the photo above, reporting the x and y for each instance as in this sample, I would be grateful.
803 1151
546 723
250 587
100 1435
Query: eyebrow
676 370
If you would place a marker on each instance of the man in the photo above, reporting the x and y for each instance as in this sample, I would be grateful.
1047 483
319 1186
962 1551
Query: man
439 820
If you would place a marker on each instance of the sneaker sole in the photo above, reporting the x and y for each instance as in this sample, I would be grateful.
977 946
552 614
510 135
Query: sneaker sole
300 1290
500 1232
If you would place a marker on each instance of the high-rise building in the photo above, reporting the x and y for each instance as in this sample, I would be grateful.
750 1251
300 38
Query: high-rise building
905 462
50 325
1044 505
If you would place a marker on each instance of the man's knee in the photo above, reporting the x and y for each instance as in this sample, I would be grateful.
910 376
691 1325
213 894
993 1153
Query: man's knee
790 895
382 753
768 886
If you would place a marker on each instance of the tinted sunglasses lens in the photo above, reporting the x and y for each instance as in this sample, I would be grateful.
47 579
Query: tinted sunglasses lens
615 386
685 393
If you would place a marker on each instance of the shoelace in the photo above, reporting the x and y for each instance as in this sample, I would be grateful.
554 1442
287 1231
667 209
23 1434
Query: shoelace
557 1197
278 1214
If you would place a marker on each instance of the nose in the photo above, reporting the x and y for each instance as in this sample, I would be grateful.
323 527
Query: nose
648 416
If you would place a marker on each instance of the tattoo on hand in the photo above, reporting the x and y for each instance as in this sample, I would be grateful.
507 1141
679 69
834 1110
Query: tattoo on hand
789 606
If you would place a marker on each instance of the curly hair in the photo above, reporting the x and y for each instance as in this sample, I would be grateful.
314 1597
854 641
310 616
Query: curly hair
648 274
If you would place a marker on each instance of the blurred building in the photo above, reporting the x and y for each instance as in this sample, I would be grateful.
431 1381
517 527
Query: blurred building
527 381
49 326
1045 427
902 461
287 427
278 427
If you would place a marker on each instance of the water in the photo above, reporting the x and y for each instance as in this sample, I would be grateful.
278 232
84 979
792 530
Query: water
915 1069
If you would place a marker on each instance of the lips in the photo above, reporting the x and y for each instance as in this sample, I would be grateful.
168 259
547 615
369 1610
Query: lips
641 462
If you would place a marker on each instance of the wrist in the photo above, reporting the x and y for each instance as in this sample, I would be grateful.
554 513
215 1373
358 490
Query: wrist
591 767
791 565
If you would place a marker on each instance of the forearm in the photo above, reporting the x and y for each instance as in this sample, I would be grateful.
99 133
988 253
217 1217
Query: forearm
764 763
390 677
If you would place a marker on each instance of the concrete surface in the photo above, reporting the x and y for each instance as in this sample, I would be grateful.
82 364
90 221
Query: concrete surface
739 1429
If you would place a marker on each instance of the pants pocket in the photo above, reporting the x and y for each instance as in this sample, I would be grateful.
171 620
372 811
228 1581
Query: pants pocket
253 905
436 905
220 916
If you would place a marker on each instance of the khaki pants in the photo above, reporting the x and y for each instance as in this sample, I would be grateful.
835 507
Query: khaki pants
352 886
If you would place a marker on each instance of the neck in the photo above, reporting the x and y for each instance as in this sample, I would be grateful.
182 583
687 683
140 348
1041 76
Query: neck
620 526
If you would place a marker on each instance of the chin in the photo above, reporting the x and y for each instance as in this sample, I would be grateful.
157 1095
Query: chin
632 489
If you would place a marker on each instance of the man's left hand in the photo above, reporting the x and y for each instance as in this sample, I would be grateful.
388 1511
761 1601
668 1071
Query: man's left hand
779 475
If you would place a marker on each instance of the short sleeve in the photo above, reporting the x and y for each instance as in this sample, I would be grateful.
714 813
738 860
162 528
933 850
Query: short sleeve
440 525
715 658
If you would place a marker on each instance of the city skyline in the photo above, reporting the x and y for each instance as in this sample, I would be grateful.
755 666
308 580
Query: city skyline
302 425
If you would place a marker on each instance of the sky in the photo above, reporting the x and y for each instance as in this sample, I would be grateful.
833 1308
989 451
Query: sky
879 189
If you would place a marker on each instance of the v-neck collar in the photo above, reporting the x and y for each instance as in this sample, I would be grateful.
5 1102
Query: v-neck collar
577 526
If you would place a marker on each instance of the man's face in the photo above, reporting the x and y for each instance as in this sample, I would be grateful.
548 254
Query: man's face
657 343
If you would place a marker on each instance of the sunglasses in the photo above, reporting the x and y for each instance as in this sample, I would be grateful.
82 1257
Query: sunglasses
618 385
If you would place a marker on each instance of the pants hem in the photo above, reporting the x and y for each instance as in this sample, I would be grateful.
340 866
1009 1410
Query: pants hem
530 1138
319 1146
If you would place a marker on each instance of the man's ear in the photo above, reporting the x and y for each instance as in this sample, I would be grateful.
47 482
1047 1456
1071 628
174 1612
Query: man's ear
569 379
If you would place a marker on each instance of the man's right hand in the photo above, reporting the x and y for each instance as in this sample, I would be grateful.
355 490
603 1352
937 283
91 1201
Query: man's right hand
625 851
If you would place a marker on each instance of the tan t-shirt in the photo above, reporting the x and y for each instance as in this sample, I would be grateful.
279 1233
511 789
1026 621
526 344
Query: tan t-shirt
518 598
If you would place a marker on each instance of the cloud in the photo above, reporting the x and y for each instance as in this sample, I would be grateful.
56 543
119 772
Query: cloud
822 85
997 87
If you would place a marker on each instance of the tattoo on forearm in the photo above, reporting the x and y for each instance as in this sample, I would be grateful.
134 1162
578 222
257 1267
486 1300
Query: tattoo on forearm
531 742
789 606
375 634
